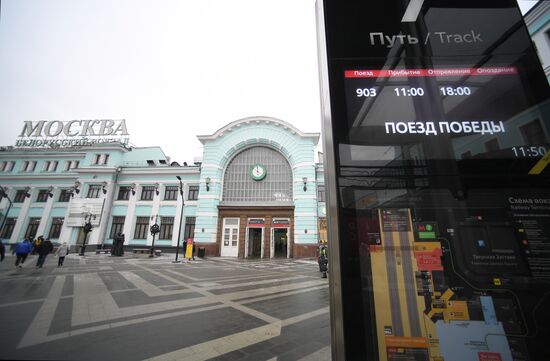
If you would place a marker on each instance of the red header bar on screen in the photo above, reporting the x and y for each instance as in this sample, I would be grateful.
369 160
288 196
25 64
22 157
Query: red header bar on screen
404 73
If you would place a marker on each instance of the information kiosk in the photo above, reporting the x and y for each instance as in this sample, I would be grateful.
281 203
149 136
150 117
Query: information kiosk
437 131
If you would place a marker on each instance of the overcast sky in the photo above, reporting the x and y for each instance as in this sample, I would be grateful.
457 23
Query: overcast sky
173 69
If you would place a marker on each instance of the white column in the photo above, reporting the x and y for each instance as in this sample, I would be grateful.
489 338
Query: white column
17 235
154 211
130 212
106 214
46 214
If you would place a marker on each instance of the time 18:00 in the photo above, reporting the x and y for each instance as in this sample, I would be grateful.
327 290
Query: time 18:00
445 91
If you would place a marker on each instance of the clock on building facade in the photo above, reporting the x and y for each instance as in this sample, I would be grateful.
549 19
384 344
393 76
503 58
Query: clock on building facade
257 172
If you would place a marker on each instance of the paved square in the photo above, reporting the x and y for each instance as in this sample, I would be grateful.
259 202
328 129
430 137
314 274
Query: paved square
134 308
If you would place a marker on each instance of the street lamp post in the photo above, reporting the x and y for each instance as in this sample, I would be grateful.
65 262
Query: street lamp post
181 219
154 230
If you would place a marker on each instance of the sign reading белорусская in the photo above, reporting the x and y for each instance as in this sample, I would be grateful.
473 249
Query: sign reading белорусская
73 133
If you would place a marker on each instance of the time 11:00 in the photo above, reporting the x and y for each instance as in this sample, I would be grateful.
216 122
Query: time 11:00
445 91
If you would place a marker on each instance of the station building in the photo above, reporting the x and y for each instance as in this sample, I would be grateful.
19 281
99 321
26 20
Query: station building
538 24
256 192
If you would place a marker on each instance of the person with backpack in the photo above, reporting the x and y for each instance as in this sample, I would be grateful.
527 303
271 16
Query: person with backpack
45 248
22 250
323 260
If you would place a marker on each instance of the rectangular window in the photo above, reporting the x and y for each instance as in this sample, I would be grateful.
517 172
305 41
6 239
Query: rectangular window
31 166
94 190
532 133
147 193
117 226
42 195
171 193
8 227
123 193
466 155
9 166
75 164
55 231
2 166
24 166
166 227
321 196
193 194
105 159
46 166
53 166
96 159
20 196
189 231
142 225
64 195
492 145
67 166
32 228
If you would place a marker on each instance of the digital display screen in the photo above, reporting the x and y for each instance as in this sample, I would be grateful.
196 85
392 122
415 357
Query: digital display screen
440 138
478 110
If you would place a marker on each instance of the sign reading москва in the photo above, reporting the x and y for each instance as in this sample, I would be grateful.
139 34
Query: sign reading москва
73 133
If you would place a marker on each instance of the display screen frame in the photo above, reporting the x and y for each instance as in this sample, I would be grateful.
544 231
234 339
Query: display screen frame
344 42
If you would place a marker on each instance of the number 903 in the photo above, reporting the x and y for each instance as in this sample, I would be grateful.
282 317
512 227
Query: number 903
365 92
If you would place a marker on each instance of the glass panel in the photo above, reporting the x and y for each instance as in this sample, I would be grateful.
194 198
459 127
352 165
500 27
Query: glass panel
231 221
276 186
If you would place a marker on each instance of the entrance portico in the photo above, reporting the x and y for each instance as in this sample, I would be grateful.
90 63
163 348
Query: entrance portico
263 232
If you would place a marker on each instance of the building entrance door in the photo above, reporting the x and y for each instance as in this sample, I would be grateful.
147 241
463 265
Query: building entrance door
230 237
255 242
280 240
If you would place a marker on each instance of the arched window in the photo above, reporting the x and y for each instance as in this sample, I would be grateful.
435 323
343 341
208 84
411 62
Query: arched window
239 186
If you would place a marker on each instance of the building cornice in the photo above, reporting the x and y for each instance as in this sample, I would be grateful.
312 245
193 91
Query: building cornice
541 8
163 170
37 176
258 120
34 154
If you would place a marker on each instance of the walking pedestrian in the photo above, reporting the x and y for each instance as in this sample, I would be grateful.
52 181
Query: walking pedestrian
2 251
22 250
62 251
43 250
36 244
323 260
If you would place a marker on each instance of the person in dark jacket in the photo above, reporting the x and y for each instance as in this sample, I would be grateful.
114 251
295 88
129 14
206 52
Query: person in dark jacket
2 251
45 248
323 260
37 242
22 250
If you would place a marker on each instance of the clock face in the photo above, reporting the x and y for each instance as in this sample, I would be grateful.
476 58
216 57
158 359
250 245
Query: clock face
258 172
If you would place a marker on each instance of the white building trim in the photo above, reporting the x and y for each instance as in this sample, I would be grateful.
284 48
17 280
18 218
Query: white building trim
303 164
305 214
207 214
